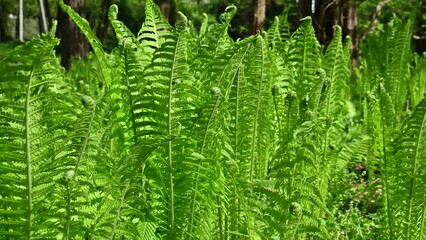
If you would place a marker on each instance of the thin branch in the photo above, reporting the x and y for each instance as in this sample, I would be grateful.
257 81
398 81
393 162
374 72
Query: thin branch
330 4
374 21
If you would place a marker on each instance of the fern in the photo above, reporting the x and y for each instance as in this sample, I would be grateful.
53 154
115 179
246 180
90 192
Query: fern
304 54
410 150
382 109
178 134
390 62
28 144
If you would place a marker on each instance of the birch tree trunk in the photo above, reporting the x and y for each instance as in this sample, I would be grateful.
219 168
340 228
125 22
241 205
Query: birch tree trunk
42 17
21 20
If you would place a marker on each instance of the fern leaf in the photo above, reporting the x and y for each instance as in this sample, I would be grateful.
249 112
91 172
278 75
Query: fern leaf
26 141
304 53
337 71
154 32
411 151
399 55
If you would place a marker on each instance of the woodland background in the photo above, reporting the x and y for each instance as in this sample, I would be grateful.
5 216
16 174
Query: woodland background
262 120
357 19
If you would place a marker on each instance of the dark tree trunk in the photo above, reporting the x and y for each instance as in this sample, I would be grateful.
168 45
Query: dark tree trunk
349 27
3 35
73 41
419 38
328 13
163 5
304 8
103 25
168 9
2 31
259 16
172 13
17 28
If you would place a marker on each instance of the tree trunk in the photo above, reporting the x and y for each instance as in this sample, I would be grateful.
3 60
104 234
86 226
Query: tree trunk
73 41
21 20
304 8
259 15
349 27
168 9
48 14
42 20
3 35
419 38
172 13
103 25
328 13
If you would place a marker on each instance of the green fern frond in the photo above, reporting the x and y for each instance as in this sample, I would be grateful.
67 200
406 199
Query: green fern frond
273 34
388 55
417 83
411 151
26 141
382 160
304 53
167 100
212 43
399 56
337 70
122 33
154 32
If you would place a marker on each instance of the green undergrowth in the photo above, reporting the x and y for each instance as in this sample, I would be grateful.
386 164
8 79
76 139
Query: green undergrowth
184 134
5 48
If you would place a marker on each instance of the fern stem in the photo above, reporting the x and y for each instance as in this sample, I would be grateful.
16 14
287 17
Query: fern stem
28 158
171 218
226 227
256 118
129 91
197 174
219 213
413 175
422 235
86 140
237 109
206 131
386 179
120 207
171 194
68 209
277 113
234 216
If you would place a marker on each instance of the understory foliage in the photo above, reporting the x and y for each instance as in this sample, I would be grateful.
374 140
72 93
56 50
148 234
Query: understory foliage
184 134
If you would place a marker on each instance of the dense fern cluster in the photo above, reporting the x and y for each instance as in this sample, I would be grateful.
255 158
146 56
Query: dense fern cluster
179 134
